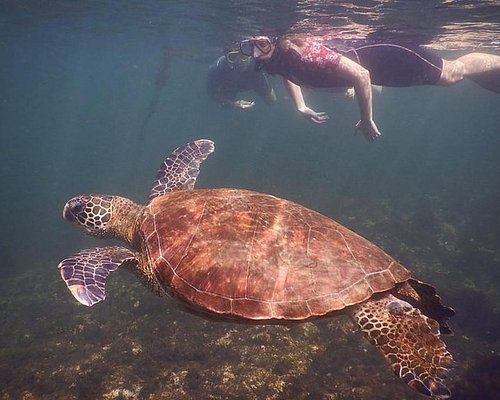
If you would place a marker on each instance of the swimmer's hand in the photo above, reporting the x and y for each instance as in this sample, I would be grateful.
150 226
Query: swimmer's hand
317 117
368 129
242 104
350 92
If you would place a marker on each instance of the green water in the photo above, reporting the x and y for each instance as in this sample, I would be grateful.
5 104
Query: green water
78 84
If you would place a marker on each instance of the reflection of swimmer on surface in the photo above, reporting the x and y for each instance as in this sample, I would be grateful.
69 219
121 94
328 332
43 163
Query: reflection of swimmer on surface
234 73
306 61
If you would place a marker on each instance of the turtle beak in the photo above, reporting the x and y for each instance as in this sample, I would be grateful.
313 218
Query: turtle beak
72 209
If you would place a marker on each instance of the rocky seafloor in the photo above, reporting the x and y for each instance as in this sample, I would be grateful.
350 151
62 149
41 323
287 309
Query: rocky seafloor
137 346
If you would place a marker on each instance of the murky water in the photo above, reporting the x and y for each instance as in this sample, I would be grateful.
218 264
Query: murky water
94 95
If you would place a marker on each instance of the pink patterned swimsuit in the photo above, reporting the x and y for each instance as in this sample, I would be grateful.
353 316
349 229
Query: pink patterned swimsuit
315 67
320 55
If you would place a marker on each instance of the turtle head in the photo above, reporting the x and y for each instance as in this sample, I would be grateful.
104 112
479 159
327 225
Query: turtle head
92 212
104 216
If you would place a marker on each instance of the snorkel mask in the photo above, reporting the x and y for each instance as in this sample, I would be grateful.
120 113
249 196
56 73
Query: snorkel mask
263 45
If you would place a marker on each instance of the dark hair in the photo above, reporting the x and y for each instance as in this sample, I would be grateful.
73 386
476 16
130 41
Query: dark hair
298 40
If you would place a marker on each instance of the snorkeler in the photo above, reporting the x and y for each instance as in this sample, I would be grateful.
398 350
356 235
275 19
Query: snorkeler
306 61
234 73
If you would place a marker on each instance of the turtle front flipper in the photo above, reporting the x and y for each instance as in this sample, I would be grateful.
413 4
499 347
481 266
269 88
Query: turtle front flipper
409 340
181 168
85 272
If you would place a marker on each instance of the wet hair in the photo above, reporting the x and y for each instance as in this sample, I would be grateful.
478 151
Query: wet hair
283 48
285 41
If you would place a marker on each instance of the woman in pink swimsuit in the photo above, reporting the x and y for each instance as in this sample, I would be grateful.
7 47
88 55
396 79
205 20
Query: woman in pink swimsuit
307 61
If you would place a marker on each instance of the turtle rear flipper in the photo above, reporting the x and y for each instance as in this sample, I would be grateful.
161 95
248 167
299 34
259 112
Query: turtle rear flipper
85 272
409 340
423 296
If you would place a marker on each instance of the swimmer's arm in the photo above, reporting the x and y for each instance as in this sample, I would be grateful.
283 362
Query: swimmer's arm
360 79
296 94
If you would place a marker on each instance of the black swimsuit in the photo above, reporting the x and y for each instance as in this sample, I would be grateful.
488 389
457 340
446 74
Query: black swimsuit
395 65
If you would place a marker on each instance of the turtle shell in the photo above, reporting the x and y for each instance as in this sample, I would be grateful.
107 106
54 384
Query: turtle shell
244 254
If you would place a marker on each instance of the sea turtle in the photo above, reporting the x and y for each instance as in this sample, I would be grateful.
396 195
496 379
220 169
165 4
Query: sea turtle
245 255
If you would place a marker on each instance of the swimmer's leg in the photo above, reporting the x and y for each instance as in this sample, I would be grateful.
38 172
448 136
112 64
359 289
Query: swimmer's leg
483 69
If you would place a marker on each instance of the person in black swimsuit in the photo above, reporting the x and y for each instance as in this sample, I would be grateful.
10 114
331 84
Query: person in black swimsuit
395 65
310 61
234 73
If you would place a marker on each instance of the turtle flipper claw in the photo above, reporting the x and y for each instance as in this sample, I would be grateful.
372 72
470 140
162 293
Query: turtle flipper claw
409 340
85 272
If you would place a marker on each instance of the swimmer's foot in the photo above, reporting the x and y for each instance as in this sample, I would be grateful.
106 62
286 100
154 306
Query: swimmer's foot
368 129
